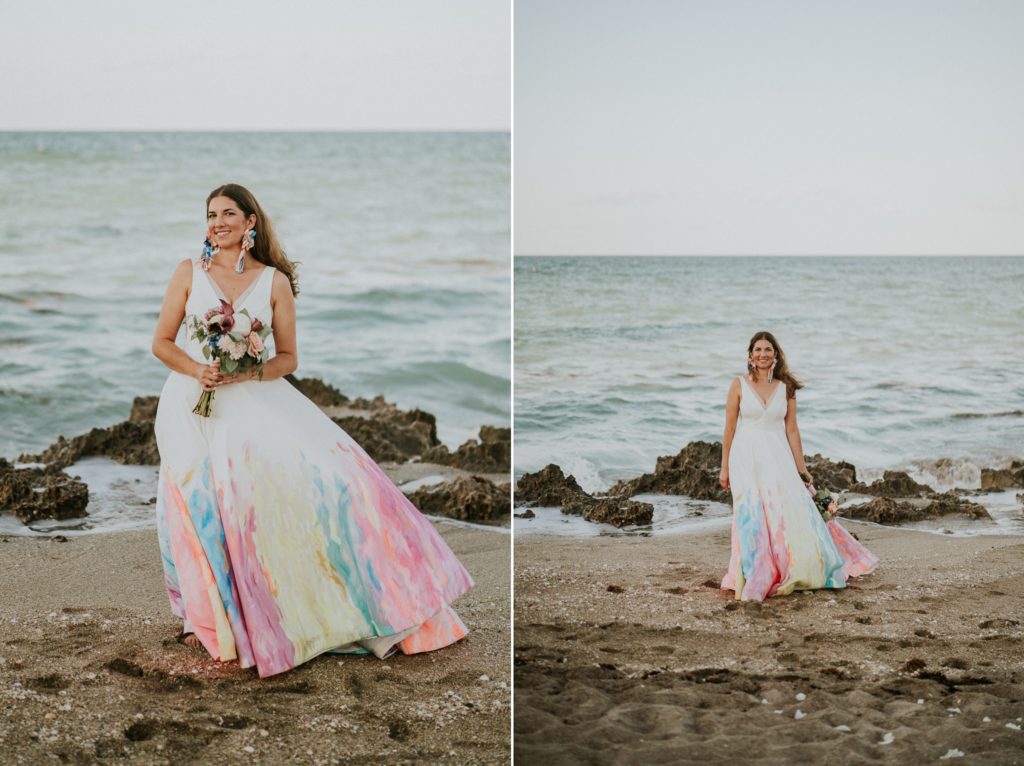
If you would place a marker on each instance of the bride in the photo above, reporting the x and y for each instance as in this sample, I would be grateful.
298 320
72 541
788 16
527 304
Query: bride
780 542
281 539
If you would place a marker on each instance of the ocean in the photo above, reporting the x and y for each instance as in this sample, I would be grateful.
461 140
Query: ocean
402 239
909 363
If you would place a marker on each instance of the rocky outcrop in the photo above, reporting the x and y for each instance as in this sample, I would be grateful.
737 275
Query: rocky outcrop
467 498
32 494
320 393
693 472
892 484
887 510
390 434
547 487
551 487
384 431
491 453
1003 478
130 442
617 511
835 475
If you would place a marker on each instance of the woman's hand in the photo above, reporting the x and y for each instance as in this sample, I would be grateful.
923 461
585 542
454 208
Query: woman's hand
237 377
209 375
808 482
723 479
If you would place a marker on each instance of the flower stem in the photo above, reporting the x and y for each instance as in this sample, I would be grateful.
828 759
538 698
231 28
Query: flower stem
204 404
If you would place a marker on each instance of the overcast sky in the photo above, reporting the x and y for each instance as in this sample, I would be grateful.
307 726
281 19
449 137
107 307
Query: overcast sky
804 127
230 65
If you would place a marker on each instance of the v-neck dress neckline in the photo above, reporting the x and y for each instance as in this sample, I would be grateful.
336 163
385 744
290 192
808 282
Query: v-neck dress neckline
757 396
245 293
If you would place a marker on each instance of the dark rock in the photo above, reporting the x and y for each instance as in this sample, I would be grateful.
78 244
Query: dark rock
527 514
41 493
132 443
492 453
950 502
547 487
693 472
390 434
320 393
617 511
1005 478
468 498
893 484
829 474
387 433
143 409
887 510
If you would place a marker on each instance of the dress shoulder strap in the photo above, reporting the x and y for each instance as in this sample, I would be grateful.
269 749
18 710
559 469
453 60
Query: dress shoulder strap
264 288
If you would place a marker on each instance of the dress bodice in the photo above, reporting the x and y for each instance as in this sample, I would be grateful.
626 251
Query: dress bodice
205 294
754 412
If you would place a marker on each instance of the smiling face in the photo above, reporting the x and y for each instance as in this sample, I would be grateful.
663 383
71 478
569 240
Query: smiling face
227 223
762 357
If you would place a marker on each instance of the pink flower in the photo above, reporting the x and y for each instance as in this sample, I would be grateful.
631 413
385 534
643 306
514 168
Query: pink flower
234 349
255 345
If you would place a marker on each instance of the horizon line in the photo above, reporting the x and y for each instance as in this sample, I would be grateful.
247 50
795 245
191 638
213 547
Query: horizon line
768 255
251 130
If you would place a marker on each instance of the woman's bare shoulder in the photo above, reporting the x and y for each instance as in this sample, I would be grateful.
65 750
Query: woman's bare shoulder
182 276
183 269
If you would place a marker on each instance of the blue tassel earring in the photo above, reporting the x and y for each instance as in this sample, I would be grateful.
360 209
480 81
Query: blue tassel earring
248 241
209 250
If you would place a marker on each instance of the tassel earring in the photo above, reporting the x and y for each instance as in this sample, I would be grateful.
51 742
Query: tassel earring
771 373
248 240
210 249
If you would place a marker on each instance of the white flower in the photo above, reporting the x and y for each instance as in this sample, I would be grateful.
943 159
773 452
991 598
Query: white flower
243 324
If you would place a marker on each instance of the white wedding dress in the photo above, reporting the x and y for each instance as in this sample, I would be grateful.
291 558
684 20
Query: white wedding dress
281 538
780 542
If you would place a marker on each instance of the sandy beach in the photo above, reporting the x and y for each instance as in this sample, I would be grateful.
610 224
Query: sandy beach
626 651
90 672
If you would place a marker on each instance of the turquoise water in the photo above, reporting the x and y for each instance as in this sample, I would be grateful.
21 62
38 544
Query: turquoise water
403 241
910 363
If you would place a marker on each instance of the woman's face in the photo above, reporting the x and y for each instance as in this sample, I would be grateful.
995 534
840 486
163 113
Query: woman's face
763 355
226 222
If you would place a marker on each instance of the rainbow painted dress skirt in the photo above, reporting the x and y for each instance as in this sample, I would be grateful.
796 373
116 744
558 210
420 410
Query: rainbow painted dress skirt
780 543
281 539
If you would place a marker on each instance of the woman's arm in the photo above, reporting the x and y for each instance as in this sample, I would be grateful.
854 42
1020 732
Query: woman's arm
286 358
171 315
793 436
732 411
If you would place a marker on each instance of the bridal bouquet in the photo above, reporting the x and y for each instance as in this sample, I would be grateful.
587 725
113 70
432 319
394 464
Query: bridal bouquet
826 504
233 337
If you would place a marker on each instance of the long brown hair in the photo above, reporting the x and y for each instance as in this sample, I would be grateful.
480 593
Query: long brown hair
266 249
781 368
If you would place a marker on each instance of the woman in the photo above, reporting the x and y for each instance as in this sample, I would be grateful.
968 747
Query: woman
281 539
780 543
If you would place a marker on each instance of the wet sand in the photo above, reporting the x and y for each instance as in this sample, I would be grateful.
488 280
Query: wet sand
90 672
626 651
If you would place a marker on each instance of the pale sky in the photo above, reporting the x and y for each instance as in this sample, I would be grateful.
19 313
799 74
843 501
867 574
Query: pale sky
783 127
230 65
